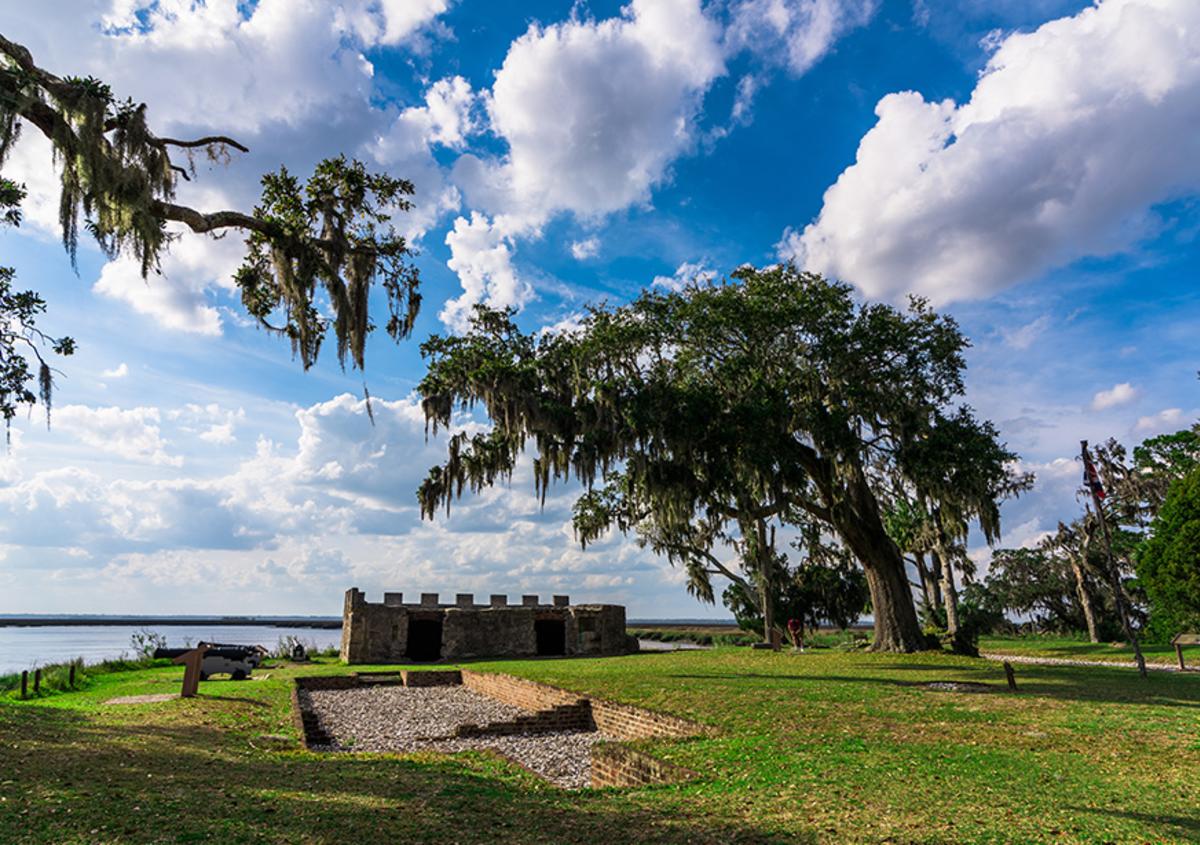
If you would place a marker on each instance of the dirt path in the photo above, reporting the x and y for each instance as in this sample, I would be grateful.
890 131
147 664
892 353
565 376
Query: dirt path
1068 661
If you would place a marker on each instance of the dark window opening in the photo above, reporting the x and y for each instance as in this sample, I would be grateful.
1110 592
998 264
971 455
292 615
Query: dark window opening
424 639
551 636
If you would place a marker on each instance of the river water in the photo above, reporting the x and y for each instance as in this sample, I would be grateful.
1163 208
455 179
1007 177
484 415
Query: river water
28 648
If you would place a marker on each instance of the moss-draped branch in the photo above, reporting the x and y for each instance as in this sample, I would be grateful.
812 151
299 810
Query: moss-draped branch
329 236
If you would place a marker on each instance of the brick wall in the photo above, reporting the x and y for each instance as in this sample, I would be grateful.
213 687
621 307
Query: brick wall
614 764
626 722
315 682
529 695
560 717
432 678
622 721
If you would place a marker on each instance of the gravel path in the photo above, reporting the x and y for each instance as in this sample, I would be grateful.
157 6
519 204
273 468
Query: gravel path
1067 661
404 719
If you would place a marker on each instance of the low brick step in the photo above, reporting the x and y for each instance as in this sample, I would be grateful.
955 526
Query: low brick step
379 679
432 677
561 717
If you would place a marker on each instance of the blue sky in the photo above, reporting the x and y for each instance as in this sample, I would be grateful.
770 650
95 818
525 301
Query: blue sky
1031 166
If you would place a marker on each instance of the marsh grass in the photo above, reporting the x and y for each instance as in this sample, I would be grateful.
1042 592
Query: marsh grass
56 676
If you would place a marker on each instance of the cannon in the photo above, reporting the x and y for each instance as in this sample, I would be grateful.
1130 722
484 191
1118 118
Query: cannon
237 661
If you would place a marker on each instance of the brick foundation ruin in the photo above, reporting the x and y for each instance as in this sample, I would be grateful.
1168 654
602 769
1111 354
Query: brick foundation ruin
548 709
395 632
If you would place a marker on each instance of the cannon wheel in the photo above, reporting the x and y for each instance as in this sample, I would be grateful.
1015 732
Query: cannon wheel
238 675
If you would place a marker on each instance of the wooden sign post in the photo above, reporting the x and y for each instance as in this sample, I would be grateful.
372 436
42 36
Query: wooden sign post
191 669
1179 642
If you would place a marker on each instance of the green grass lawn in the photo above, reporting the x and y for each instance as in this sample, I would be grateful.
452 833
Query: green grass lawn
827 746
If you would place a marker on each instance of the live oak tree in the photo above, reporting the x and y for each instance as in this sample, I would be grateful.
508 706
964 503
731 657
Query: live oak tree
324 241
1041 583
708 415
1033 582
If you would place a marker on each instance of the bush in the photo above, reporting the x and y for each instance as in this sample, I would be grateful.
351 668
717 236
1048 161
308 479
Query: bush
145 642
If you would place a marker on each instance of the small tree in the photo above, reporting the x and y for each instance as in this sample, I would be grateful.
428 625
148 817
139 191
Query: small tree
1041 582
1168 562
1075 545
813 593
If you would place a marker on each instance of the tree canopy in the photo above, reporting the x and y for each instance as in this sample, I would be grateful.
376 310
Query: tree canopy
326 239
703 417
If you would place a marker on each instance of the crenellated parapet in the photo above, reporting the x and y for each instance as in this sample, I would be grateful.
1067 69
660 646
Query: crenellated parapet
395 631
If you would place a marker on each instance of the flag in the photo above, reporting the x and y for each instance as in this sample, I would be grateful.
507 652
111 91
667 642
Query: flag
1091 478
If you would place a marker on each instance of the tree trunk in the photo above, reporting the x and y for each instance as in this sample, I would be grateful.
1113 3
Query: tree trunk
949 593
765 559
896 625
935 572
929 591
1085 601
859 524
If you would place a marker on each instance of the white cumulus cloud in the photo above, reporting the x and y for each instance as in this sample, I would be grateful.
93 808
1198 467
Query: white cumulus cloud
795 32
687 273
585 248
1073 132
593 114
130 433
481 254
1168 419
1115 396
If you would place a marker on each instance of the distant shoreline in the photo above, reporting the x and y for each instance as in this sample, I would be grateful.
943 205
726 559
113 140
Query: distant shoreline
40 621
328 622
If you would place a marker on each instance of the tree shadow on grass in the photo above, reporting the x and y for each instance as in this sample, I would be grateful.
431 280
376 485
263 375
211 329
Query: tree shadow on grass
183 783
257 702
1186 827
1071 683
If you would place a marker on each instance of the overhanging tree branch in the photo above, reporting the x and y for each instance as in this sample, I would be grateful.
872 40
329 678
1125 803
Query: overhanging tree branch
325 239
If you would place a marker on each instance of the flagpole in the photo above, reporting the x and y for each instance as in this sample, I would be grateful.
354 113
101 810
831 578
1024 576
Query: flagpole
1092 481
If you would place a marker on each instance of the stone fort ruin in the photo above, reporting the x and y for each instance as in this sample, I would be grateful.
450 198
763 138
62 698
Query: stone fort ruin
395 632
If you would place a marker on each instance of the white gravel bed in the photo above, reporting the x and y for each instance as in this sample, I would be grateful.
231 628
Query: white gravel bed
376 718
406 719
